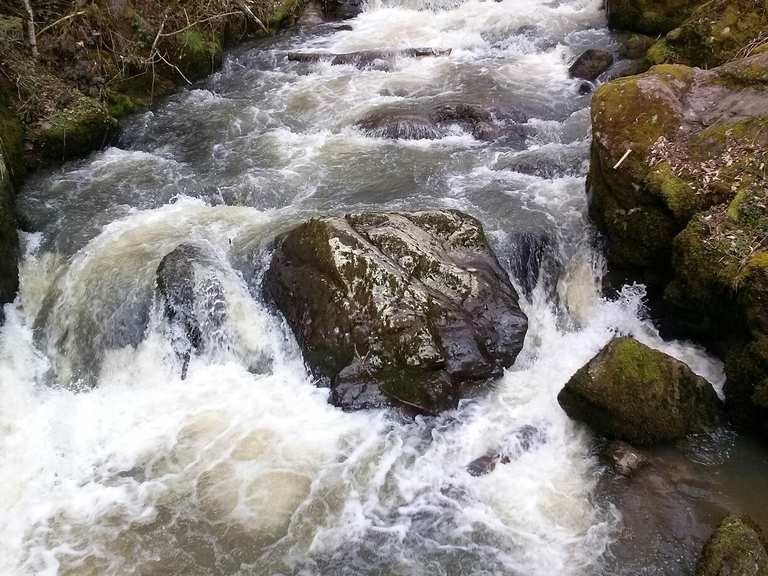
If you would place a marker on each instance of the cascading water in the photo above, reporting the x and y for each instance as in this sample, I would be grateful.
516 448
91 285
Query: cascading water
112 464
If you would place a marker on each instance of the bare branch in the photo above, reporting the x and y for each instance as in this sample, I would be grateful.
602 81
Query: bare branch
32 37
60 20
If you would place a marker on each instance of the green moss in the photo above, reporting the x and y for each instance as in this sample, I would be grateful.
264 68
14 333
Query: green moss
735 205
660 53
717 31
11 138
632 392
284 14
735 548
82 126
678 195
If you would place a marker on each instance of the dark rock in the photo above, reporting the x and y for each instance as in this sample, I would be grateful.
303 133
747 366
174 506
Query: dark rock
9 242
367 59
192 299
632 392
519 441
429 121
586 88
736 548
591 64
623 459
533 259
652 17
410 308
400 125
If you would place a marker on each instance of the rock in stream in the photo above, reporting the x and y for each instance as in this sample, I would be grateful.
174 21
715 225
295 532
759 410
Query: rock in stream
405 308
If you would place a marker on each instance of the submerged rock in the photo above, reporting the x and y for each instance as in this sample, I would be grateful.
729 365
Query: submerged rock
736 548
521 440
404 308
650 17
429 121
192 298
591 64
632 392
367 58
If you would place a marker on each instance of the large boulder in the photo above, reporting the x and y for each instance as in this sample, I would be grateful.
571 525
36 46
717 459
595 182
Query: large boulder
404 308
634 393
652 17
678 187
715 33
736 548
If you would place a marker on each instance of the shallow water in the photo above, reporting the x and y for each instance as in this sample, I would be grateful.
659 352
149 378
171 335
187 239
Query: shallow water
244 468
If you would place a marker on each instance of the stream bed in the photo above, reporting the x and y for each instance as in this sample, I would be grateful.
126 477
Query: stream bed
115 465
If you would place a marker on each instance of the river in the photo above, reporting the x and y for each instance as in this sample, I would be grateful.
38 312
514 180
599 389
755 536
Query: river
114 465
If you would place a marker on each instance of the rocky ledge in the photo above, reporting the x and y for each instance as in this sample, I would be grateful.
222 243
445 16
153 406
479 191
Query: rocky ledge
410 309
679 188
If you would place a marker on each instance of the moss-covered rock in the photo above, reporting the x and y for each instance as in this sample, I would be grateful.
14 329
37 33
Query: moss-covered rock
83 125
632 392
650 17
736 548
716 32
409 308
686 209
9 253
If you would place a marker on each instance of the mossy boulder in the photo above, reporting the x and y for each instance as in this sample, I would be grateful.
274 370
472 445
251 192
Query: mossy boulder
635 393
736 548
686 210
404 308
715 33
652 17
82 126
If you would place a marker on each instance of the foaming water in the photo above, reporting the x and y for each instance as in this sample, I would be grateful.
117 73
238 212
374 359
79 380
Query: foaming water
115 465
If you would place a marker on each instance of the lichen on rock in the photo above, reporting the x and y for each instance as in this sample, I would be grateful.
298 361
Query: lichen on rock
404 308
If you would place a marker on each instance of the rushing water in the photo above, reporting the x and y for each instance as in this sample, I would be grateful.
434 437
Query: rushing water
244 468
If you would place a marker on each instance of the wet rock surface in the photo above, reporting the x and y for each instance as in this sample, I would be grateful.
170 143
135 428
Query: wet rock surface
9 254
367 59
632 392
192 299
429 121
521 440
404 308
590 64
623 459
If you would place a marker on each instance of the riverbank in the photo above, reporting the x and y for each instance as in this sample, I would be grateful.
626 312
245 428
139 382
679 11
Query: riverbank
64 88
678 184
